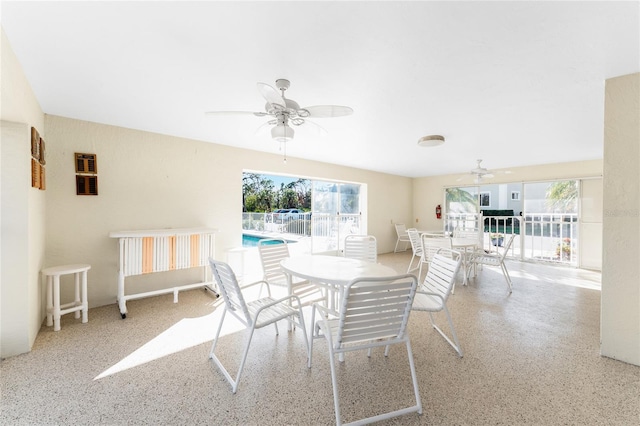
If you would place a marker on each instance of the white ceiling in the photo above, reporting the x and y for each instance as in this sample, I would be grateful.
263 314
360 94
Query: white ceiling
513 83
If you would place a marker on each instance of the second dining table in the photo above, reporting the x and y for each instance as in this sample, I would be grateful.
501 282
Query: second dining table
467 246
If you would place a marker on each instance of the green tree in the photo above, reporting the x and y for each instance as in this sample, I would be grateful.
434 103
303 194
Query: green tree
259 190
460 200
289 198
302 188
250 203
260 195
562 196
265 196
250 187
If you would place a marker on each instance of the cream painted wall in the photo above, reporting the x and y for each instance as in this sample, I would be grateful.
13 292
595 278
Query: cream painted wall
151 181
620 313
429 191
22 210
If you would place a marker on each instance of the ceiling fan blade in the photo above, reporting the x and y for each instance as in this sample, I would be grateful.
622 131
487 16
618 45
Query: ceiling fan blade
324 111
321 131
262 130
273 97
257 114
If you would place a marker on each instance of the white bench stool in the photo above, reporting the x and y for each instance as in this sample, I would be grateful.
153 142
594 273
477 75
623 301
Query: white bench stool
54 309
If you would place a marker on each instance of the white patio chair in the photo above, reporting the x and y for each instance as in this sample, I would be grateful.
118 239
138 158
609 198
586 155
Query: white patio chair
473 234
430 246
434 234
403 237
374 312
416 247
362 247
436 288
272 251
253 315
492 259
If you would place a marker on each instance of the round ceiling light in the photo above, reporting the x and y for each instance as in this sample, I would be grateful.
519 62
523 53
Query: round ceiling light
431 140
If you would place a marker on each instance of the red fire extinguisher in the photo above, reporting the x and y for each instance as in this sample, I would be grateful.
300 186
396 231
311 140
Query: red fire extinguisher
438 212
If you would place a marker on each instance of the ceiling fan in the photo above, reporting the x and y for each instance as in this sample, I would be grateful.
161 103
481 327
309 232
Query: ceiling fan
286 113
480 172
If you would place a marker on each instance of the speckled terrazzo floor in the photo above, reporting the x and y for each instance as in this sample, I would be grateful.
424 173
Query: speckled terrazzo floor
530 358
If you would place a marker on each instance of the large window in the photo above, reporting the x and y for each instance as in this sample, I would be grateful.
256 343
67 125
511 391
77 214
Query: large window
336 214
551 221
462 199
336 198
484 199
544 215
323 210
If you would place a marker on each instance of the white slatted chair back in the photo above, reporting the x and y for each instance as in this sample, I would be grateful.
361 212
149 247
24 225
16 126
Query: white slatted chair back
374 312
272 251
374 309
401 230
416 245
436 288
506 247
361 247
497 260
472 234
430 246
433 234
403 237
441 275
230 290
255 314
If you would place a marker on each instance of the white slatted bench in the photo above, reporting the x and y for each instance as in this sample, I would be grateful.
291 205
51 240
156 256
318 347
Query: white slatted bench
148 251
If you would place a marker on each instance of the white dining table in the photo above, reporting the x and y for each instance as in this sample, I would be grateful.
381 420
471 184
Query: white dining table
332 272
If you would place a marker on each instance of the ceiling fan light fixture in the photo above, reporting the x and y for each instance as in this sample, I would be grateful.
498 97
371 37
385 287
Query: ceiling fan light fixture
431 140
282 133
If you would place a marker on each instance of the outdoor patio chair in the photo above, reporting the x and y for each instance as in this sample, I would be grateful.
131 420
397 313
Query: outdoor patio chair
436 288
469 233
373 312
272 251
253 315
416 247
430 246
362 247
403 237
495 259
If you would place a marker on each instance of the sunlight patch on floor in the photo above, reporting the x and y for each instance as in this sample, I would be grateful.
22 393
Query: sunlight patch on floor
185 334
575 278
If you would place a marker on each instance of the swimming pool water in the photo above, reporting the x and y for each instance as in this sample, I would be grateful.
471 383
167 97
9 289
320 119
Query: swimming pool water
252 240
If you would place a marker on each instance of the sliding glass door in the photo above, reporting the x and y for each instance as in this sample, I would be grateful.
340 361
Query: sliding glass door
336 213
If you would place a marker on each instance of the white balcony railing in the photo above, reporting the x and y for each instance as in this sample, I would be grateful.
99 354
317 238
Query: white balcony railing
541 236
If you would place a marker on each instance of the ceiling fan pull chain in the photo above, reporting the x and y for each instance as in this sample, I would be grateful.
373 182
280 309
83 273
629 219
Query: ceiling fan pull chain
285 152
